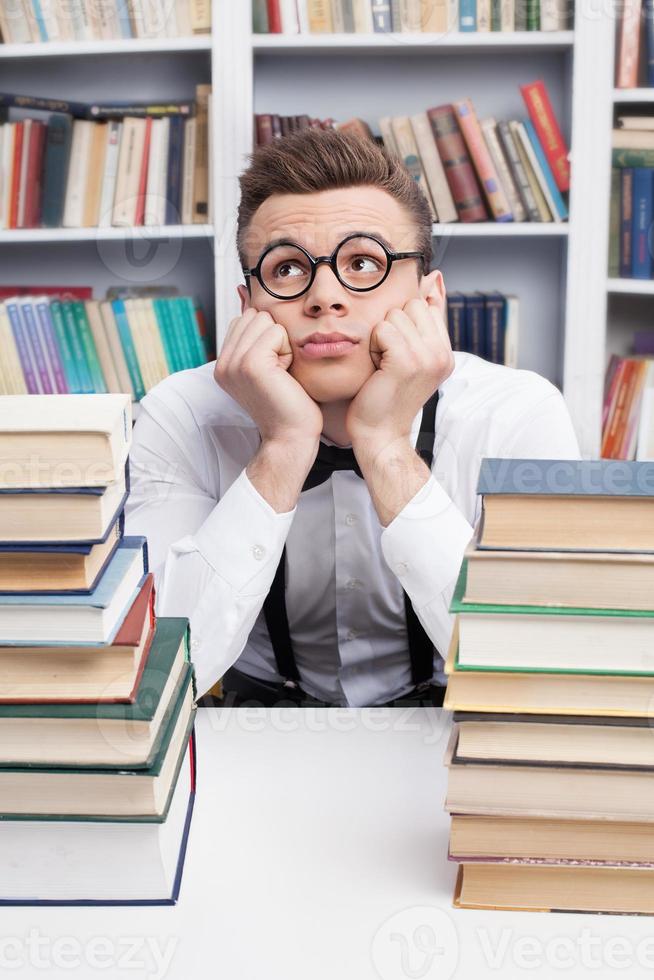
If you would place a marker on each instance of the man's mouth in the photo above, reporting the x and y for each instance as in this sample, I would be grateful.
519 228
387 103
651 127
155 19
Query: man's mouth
318 345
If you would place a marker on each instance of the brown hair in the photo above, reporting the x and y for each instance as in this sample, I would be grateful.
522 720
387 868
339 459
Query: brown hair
322 159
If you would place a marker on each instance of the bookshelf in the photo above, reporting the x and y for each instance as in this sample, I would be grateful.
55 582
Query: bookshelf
559 271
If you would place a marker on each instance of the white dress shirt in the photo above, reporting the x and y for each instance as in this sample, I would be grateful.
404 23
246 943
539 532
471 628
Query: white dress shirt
215 542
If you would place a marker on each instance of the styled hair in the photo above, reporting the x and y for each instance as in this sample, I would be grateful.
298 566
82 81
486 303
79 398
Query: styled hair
324 159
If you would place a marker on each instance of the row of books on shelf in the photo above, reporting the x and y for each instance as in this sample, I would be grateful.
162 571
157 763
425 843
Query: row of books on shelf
632 203
408 16
66 342
628 408
27 21
486 324
551 679
634 60
468 169
97 763
140 164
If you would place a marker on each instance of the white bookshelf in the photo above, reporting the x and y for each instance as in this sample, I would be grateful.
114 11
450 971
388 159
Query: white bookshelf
557 270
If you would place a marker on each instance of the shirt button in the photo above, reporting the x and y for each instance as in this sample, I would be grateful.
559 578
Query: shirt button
352 634
258 552
350 519
195 644
401 568
353 583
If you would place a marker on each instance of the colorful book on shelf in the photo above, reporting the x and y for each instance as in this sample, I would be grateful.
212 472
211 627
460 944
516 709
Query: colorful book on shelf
548 132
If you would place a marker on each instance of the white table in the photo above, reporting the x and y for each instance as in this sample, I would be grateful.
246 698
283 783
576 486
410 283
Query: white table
318 852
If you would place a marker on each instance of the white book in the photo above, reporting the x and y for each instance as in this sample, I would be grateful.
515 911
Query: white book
22 185
170 14
64 20
453 15
15 25
303 16
338 25
536 167
50 22
107 19
78 167
130 156
290 18
553 15
155 195
483 15
363 22
645 443
80 21
408 151
188 170
512 331
507 15
388 136
69 860
6 163
433 168
183 15
116 348
32 26
154 18
636 122
139 331
105 211
503 171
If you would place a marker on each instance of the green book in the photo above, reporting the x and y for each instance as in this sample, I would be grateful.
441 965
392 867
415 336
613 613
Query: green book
632 158
193 331
533 15
77 348
126 342
182 338
167 334
614 224
88 343
64 348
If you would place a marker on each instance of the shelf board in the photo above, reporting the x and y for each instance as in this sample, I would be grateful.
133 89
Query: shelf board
502 229
633 94
405 43
16 236
136 45
637 287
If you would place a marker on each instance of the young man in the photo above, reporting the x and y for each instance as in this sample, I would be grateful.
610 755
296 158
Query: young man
308 497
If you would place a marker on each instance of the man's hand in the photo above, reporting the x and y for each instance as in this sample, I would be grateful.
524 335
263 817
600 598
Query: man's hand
253 368
412 353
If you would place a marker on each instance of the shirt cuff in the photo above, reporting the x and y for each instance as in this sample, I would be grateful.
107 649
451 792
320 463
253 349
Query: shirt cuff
425 542
243 537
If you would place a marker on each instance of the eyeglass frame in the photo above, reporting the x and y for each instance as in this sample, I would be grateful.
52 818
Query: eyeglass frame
330 260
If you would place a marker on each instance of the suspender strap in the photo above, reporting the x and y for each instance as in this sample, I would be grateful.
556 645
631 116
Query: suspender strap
421 650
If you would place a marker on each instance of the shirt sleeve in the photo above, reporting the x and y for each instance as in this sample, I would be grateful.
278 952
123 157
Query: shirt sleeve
425 542
213 561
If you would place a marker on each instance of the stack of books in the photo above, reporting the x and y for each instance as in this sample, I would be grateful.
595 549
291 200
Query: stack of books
407 16
25 21
129 342
90 165
551 680
469 169
96 695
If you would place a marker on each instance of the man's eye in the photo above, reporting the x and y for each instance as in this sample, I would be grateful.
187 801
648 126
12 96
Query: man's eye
288 269
364 263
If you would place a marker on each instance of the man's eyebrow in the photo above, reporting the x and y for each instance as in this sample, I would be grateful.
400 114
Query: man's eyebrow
285 240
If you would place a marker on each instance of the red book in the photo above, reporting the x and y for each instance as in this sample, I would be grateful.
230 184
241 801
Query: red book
547 129
614 429
274 17
143 178
72 292
459 171
15 175
628 45
32 216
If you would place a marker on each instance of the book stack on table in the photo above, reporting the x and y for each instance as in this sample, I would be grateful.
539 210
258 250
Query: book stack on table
551 680
97 757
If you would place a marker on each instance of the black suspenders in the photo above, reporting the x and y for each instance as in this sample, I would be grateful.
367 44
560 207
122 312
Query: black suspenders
421 649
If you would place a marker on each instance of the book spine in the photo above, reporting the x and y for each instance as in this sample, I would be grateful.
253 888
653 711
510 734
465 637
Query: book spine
489 129
554 199
88 344
11 360
143 174
481 158
48 334
433 17
55 169
123 18
433 168
163 325
34 342
614 224
475 328
188 170
118 307
613 435
626 205
77 348
627 445
274 16
362 17
458 167
495 317
187 355
201 176
23 351
642 214
408 151
648 28
64 347
496 15
511 333
348 16
173 173
484 8
22 187
456 322
105 208
551 139
533 15
15 175
628 44
526 153
34 188
338 16
196 341
320 16
382 18
632 158
201 16
467 15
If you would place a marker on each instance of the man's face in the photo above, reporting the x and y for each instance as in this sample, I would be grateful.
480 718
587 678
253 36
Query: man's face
319 222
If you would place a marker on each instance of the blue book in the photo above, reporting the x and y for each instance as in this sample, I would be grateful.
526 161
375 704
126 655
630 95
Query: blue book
78 620
382 17
467 15
495 308
123 18
24 352
40 22
29 322
566 477
475 324
174 171
641 224
456 320
559 203
648 15
55 168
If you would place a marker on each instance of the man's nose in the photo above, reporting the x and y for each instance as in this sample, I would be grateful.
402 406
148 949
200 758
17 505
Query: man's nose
326 293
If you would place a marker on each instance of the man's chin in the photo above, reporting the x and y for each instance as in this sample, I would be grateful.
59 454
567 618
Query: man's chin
332 384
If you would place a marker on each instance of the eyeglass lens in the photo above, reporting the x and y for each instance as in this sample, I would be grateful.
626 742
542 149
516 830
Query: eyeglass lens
361 264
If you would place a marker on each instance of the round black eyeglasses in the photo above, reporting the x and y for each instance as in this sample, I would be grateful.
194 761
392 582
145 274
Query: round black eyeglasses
360 262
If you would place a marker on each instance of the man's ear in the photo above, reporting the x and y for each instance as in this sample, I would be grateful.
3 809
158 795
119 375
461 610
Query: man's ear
245 299
432 289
